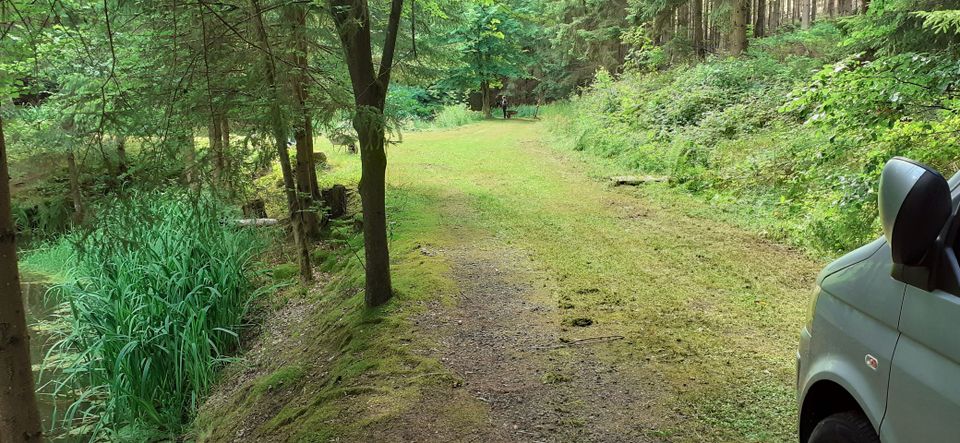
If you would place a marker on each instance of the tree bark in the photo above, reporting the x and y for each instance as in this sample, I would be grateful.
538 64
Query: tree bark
295 15
336 199
352 19
485 98
76 195
806 14
845 7
280 138
19 418
215 140
189 148
738 27
760 19
225 151
774 18
696 37
122 165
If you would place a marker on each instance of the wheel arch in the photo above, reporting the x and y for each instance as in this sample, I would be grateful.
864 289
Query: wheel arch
822 400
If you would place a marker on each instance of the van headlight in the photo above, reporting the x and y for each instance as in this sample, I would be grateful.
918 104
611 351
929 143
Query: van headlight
812 307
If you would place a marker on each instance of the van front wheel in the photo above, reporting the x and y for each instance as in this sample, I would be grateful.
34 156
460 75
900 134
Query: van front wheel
844 427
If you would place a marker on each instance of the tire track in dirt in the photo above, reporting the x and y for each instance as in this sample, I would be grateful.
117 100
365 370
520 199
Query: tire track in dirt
502 341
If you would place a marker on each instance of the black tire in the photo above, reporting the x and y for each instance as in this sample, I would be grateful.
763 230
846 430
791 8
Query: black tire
844 427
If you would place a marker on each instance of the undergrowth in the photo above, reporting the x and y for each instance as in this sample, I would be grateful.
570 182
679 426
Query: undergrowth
790 137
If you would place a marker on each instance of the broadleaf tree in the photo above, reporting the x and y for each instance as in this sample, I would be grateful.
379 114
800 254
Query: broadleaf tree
489 39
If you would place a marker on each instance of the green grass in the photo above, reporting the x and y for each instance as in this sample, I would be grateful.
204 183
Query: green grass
708 310
715 303
451 116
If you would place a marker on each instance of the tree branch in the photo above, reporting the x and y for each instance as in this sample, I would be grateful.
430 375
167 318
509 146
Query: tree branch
390 43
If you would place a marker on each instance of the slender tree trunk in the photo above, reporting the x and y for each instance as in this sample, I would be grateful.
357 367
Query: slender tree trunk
813 11
696 38
806 13
846 7
19 418
485 99
369 125
215 140
122 165
225 148
280 138
352 19
774 18
76 195
738 24
295 15
696 26
189 147
760 19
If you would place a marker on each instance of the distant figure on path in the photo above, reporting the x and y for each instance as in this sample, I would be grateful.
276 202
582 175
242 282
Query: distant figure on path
503 105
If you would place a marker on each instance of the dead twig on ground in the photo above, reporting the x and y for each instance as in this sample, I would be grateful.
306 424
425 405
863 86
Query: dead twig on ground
582 341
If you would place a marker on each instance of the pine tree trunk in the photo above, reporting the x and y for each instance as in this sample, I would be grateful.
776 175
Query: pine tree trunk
806 14
774 19
295 15
280 138
696 9
845 7
738 25
19 418
760 19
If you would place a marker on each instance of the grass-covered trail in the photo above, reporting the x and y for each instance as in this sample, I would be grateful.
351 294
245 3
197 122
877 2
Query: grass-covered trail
519 269
709 313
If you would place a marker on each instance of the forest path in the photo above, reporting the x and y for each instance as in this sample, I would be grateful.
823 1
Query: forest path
553 267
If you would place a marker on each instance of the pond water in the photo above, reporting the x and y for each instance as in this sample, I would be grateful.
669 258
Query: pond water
41 305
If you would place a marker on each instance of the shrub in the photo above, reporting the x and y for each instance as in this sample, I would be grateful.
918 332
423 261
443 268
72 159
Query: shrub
158 291
450 116
739 131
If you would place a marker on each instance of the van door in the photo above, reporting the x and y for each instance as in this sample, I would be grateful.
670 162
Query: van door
923 403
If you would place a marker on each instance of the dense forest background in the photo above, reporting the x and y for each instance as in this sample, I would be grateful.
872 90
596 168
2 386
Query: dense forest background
136 132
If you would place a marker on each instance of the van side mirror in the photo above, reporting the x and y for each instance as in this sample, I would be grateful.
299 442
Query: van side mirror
914 205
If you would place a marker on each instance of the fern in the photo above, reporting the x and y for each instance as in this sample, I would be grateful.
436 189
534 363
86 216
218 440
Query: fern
945 22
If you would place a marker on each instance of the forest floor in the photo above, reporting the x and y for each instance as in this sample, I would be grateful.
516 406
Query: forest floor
539 303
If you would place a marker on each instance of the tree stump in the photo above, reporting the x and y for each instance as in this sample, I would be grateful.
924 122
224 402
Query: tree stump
335 199
320 159
255 209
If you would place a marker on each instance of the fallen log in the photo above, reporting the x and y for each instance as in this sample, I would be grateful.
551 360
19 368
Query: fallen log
632 180
257 221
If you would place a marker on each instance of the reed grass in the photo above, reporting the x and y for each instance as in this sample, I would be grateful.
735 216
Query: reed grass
157 294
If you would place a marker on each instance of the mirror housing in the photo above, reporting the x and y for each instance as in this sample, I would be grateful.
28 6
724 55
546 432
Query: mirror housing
915 206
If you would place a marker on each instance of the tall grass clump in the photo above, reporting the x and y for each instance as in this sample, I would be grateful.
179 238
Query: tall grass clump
157 293
450 116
